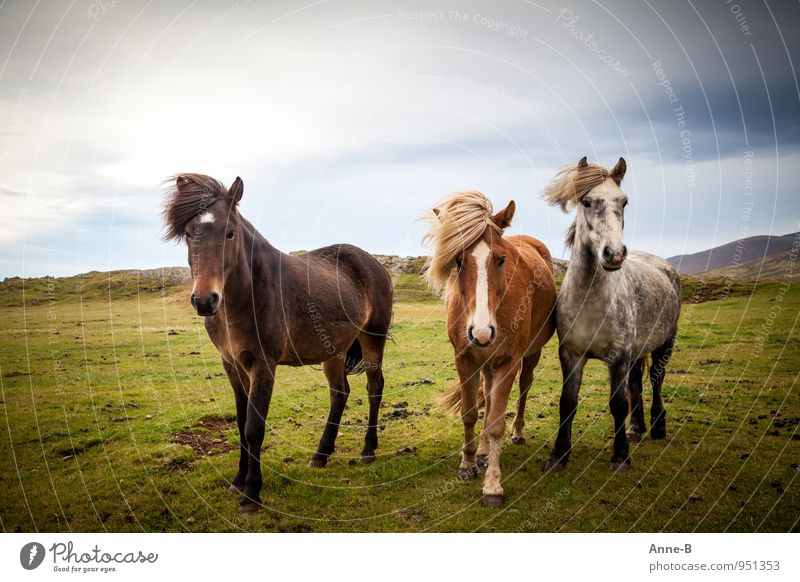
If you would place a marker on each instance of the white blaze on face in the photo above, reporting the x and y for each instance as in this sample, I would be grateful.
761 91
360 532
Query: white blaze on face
206 218
481 317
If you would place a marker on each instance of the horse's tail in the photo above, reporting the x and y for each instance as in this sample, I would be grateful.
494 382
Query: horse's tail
450 401
354 360
644 364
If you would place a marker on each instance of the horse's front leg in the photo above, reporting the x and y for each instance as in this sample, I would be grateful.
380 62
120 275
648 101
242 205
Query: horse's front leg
635 405
483 443
618 402
240 384
469 378
572 372
495 426
262 379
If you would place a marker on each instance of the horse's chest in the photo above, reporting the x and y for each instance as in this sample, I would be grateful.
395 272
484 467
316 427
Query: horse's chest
590 329
228 340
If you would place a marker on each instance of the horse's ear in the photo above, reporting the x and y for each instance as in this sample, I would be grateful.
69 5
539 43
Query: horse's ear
181 182
236 190
618 173
438 213
582 163
504 217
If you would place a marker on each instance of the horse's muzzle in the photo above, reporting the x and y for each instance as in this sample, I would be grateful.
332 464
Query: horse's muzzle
205 305
482 338
611 267
612 258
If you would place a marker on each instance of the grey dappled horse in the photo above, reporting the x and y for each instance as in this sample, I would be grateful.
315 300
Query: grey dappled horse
613 306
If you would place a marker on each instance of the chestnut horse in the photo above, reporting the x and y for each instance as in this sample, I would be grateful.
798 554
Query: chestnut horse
500 297
264 308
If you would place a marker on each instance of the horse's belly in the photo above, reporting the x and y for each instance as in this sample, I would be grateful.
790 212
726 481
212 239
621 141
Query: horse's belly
320 341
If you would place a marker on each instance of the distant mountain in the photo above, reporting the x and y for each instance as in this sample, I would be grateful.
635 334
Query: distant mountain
739 259
772 267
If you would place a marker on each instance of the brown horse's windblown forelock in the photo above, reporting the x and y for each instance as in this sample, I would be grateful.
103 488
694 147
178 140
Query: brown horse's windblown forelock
454 225
197 193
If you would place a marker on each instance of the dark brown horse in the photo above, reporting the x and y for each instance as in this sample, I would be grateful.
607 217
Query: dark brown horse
263 308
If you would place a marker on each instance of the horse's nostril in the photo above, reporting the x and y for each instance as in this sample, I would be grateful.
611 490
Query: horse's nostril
624 251
470 336
494 331
607 253
215 299
193 299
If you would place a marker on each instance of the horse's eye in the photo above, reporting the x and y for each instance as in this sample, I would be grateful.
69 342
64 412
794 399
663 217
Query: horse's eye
624 204
459 262
501 261
230 235
586 203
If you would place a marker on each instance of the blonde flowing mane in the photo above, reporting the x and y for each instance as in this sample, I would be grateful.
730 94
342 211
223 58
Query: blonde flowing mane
455 224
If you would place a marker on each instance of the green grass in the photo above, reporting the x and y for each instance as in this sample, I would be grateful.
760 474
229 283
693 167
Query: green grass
116 416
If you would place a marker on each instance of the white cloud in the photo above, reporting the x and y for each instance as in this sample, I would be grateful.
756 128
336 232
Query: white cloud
347 108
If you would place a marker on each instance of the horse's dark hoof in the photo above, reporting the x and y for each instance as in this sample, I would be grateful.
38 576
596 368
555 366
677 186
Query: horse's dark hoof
234 489
482 461
634 437
318 462
468 474
492 501
248 508
367 458
658 432
621 466
518 440
555 464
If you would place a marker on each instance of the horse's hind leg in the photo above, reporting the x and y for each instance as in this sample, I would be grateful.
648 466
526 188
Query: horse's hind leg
658 416
525 382
339 391
635 405
372 347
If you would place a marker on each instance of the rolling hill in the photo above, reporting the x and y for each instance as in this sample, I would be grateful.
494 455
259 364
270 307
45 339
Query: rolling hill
763 257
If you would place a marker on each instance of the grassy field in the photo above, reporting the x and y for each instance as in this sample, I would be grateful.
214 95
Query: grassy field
115 415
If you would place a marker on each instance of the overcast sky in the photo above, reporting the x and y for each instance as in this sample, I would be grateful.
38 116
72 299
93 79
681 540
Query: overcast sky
347 119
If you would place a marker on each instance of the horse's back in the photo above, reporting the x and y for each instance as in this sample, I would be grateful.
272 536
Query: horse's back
352 266
350 259
659 293
656 264
525 242
539 286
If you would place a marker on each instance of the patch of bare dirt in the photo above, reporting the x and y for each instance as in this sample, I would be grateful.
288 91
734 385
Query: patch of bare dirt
207 437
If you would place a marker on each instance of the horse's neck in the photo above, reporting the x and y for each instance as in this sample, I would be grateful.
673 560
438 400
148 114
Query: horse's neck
584 280
257 259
